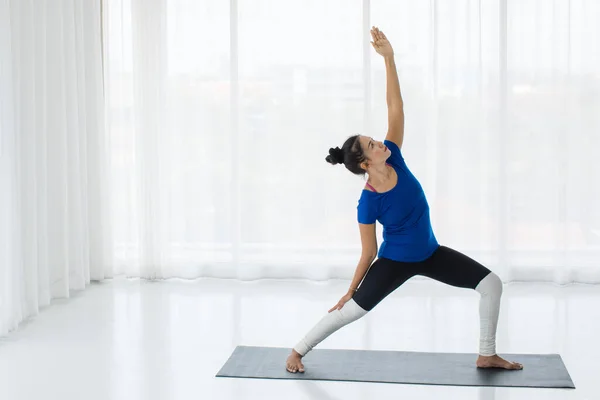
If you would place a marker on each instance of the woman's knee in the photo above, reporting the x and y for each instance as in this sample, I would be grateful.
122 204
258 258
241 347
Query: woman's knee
351 311
490 285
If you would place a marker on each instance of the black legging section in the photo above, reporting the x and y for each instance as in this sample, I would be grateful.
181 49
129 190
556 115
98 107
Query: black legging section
444 265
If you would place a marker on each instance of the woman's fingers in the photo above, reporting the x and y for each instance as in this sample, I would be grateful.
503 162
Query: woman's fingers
338 306
377 33
378 37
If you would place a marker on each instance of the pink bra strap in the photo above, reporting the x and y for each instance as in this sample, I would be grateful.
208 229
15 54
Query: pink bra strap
372 188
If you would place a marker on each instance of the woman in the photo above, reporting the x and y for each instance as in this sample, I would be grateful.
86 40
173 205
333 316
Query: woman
394 197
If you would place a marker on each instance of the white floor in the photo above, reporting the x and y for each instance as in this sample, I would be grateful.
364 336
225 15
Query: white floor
137 340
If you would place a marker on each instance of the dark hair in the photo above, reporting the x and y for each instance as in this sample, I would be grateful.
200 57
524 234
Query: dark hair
351 155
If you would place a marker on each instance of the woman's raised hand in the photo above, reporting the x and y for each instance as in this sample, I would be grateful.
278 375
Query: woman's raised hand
380 43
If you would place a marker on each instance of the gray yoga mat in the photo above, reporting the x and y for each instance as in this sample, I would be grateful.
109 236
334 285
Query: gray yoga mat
456 369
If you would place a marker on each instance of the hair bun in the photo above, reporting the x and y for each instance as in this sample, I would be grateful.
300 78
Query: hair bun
336 156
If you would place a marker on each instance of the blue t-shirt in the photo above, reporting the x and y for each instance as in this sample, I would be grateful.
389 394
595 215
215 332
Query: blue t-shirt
404 213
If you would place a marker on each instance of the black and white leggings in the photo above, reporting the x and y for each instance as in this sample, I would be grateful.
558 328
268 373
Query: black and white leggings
384 276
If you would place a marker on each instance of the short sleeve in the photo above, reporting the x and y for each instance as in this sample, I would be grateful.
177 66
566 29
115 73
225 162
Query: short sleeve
396 158
367 213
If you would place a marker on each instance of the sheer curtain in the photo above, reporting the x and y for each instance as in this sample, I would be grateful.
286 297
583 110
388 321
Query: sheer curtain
220 115
54 220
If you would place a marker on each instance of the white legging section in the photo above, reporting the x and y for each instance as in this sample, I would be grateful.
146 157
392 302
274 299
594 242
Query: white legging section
330 323
490 289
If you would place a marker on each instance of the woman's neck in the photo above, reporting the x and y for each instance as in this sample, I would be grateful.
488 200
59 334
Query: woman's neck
380 175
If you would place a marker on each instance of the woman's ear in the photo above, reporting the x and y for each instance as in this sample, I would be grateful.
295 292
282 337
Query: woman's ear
364 165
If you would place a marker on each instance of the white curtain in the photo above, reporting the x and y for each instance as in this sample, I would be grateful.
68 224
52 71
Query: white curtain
221 113
55 233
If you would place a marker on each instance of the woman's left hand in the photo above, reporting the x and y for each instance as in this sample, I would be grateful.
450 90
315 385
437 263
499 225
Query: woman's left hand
342 301
380 43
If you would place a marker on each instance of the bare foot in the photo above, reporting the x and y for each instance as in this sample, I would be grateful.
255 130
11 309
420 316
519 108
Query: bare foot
496 361
294 363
